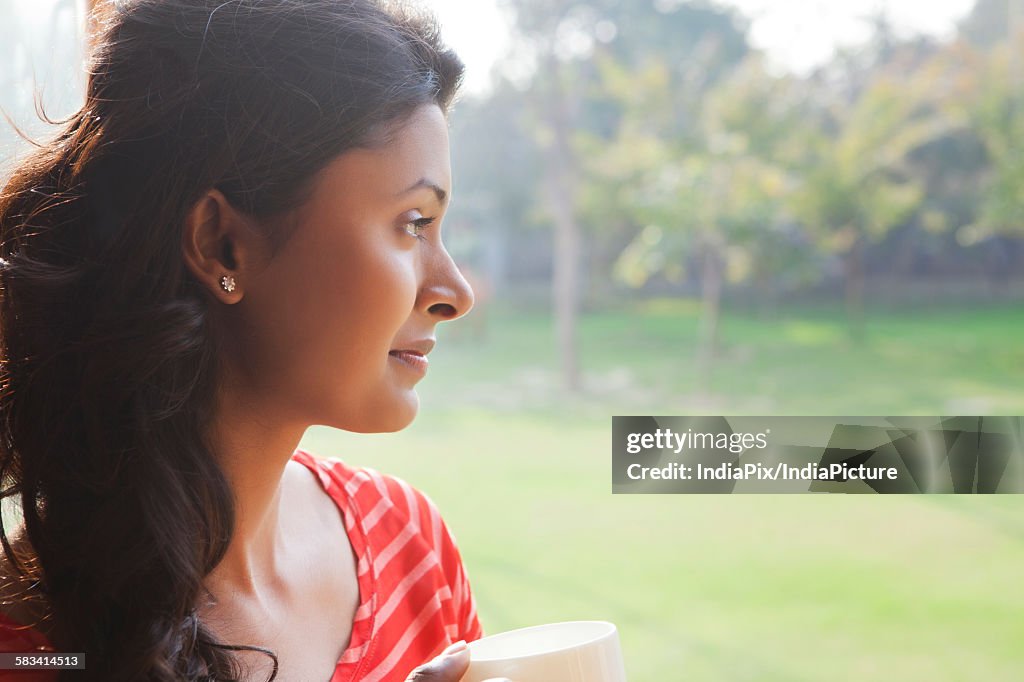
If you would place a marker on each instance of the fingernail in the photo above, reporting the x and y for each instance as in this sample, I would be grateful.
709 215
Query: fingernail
454 649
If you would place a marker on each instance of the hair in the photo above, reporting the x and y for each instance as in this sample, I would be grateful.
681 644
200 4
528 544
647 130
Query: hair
108 357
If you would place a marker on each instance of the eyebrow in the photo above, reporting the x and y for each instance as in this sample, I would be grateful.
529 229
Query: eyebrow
423 182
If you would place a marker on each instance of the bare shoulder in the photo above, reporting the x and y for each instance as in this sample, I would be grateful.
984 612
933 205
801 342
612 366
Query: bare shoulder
305 495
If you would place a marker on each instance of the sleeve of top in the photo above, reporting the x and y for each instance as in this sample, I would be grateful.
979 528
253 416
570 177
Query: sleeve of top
454 568
15 638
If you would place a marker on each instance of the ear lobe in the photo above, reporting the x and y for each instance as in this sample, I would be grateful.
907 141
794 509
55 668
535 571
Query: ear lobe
217 242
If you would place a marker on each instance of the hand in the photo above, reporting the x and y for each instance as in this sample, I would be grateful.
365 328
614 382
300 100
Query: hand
449 666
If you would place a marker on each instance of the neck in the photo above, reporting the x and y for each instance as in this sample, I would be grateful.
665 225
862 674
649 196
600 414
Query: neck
253 449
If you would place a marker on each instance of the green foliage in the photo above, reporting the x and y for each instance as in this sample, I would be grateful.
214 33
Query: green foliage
858 184
720 180
997 113
681 141
631 96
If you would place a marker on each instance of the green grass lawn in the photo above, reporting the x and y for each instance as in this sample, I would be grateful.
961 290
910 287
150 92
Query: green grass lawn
729 587
936 361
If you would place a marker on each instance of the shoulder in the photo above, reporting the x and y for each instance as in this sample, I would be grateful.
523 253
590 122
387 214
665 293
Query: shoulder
407 500
364 482
377 496
402 526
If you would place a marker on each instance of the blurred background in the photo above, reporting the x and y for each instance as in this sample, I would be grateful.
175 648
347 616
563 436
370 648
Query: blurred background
735 207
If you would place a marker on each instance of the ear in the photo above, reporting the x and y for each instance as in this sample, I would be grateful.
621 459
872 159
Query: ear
220 241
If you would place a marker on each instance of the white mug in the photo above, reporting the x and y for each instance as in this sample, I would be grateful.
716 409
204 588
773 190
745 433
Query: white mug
577 651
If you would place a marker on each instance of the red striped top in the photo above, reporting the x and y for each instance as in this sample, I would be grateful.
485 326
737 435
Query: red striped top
414 594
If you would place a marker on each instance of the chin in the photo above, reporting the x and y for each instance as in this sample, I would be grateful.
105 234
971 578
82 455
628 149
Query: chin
385 419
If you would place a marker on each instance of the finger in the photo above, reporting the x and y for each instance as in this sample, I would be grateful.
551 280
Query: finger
449 666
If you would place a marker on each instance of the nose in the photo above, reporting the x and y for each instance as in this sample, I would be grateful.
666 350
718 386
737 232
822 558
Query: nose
445 294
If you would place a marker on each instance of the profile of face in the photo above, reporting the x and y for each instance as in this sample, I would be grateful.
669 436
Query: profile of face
333 328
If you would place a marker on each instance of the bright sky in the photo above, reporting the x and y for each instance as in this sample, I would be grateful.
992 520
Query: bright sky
477 31
802 34
796 34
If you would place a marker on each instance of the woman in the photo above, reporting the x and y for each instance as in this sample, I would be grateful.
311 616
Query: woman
237 237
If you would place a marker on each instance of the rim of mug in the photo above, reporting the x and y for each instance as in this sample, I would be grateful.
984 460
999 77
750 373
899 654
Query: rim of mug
608 632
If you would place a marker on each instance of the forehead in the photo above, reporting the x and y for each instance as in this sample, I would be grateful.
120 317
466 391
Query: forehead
415 150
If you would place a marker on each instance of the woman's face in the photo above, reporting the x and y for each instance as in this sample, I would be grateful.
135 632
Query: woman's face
334 328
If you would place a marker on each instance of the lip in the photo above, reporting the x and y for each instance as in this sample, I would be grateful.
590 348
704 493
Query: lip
420 347
413 354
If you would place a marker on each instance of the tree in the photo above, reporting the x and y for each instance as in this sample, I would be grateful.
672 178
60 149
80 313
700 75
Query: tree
555 100
567 40
994 104
858 186
708 196
988 22
496 163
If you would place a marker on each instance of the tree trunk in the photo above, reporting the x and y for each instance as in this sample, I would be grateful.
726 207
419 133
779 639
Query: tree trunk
561 184
854 262
711 297
566 279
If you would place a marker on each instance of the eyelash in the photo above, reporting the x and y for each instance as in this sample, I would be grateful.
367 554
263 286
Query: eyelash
420 224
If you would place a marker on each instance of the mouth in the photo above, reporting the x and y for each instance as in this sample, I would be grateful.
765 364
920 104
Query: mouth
411 359
413 354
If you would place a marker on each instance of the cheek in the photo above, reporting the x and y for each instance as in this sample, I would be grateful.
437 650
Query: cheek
320 324
374 294
355 378
357 322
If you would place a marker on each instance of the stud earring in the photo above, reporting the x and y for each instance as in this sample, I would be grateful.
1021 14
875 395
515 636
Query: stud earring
227 283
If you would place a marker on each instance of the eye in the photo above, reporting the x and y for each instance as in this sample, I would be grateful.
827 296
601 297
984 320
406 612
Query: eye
416 227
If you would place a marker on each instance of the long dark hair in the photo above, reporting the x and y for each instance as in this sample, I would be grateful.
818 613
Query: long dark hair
108 353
